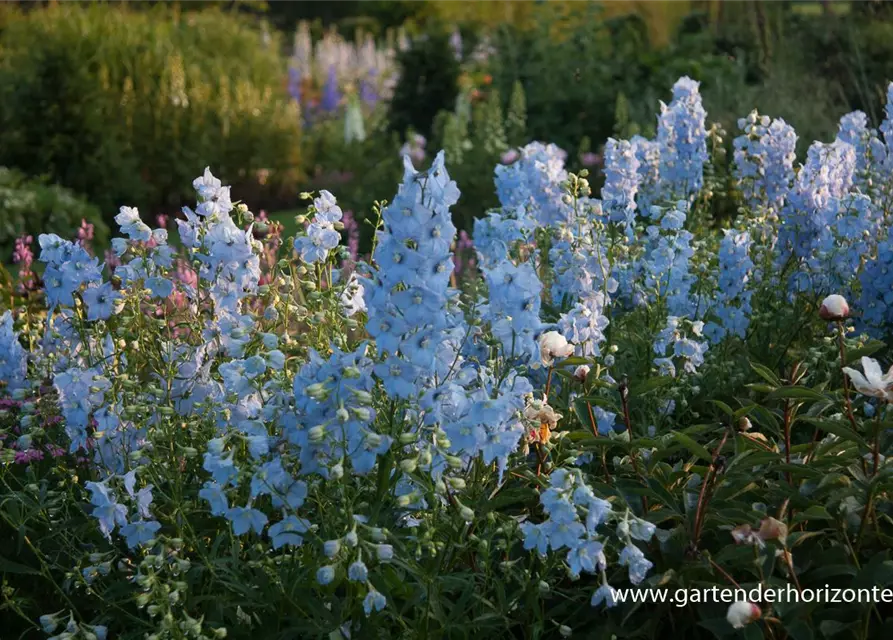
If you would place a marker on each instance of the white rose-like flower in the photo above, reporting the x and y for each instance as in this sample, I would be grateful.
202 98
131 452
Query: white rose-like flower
875 382
581 372
554 345
834 307
742 613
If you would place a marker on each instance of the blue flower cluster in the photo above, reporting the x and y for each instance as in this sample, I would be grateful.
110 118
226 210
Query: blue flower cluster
621 184
731 304
764 161
683 141
13 358
677 344
408 296
321 235
110 513
533 184
665 264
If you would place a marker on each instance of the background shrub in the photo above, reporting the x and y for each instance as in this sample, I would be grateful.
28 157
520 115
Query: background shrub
124 106
429 76
31 206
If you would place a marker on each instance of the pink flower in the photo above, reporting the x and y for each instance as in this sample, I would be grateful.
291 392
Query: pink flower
509 156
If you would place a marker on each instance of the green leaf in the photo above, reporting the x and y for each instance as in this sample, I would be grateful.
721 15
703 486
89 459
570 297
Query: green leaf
798 393
719 627
873 346
799 630
830 628
649 385
690 444
726 409
574 361
762 388
818 576
766 374
815 512
582 410
838 429
8 566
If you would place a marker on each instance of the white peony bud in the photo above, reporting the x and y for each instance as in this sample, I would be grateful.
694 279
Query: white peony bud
742 613
834 307
581 372
554 345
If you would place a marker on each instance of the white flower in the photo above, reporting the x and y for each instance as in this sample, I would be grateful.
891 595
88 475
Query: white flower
554 345
874 383
581 372
834 307
542 418
742 613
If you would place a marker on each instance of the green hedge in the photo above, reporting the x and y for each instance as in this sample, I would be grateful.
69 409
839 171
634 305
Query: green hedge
128 106
31 207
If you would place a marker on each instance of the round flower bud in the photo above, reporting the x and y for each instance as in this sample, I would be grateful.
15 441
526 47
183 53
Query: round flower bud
581 372
834 308
742 613
554 345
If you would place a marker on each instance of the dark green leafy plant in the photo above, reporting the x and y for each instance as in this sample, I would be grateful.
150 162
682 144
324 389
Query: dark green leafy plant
31 207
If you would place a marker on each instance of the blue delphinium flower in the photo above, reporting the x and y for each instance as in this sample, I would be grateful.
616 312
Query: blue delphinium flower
621 184
13 358
680 336
585 323
373 601
683 141
331 93
870 151
81 391
106 509
731 303
69 266
140 532
288 532
132 226
764 161
604 594
101 301
633 558
321 234
245 519
816 221
333 398
876 285
513 309
408 298
648 154
665 264
325 575
357 572
534 184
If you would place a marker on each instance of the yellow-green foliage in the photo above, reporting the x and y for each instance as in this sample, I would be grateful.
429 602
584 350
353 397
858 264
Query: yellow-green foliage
662 18
144 98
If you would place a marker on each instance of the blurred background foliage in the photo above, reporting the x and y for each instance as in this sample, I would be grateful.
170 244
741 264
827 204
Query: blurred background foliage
124 103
